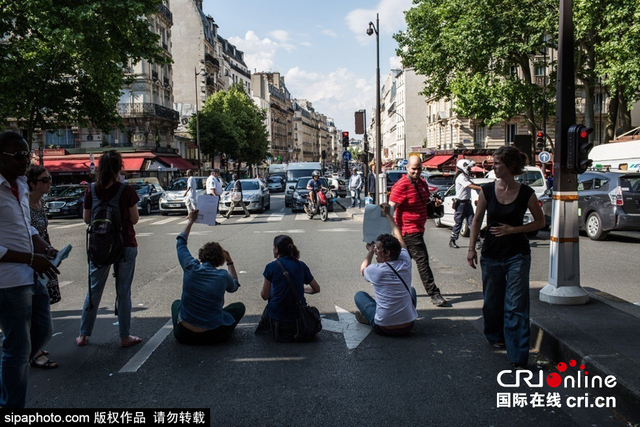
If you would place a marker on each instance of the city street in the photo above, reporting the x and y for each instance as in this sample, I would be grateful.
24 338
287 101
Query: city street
444 373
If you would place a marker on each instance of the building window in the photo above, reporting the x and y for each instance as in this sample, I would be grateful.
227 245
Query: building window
62 138
480 136
510 133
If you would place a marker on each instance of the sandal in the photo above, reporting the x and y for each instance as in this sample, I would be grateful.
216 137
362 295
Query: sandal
81 341
131 341
48 364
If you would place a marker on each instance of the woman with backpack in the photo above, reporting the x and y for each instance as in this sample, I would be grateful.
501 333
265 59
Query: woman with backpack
100 201
280 315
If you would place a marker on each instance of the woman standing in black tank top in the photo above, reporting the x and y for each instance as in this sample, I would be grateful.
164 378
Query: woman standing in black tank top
506 257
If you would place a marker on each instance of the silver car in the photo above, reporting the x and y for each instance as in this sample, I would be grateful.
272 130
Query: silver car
275 183
255 196
173 198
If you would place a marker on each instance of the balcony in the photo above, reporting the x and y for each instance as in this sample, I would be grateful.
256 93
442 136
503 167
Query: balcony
241 71
211 81
154 75
211 60
165 80
164 11
147 109
165 46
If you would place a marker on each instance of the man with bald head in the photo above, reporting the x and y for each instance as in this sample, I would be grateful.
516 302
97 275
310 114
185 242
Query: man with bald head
409 196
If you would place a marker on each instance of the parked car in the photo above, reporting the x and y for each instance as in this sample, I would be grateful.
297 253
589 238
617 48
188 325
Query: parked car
173 198
340 186
301 194
532 176
255 196
438 180
393 176
275 183
68 202
149 195
447 219
607 201
56 190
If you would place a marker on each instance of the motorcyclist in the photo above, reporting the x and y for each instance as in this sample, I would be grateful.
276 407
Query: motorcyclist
314 185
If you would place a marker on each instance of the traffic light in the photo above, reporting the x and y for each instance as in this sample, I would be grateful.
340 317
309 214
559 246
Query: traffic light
345 139
540 144
578 147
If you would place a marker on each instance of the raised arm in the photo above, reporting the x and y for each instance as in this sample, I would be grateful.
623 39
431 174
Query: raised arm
395 230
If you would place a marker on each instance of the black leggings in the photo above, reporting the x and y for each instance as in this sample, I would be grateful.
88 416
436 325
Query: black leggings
213 336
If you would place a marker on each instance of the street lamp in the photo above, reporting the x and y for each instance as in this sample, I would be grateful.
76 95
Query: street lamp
380 193
204 74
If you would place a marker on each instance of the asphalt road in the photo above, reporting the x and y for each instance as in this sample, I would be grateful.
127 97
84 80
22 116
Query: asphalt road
444 373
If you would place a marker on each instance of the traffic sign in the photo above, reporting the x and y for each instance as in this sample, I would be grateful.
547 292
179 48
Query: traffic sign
405 162
346 156
544 156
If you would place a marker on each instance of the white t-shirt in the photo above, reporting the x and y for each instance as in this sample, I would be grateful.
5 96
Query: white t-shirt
463 192
393 301
213 186
191 183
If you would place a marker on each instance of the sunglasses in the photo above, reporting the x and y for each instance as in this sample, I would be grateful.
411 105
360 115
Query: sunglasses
20 155
44 180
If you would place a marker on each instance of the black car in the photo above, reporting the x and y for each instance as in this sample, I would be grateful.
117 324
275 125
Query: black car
439 180
607 201
69 202
149 194
300 194
393 176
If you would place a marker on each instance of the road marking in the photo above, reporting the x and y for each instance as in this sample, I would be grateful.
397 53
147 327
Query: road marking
65 283
143 354
165 221
338 230
193 233
70 225
269 359
302 217
251 218
280 231
353 331
149 218
275 217
144 234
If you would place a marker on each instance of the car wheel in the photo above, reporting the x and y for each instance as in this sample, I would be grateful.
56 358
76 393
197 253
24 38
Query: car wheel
165 213
439 223
268 205
465 230
593 227
262 209
147 208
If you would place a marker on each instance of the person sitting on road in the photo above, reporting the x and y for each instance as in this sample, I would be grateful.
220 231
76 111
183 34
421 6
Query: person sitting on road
393 311
314 185
199 317
280 314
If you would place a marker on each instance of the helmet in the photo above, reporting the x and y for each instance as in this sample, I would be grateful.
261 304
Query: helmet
315 173
465 165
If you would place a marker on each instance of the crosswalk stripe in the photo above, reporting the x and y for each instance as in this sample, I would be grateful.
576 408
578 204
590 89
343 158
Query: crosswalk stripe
251 218
165 221
275 217
77 224
141 220
65 283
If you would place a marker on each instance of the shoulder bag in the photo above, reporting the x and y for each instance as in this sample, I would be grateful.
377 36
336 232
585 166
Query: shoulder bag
309 322
404 283
433 211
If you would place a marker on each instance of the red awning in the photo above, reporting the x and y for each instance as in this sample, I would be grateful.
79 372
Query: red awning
436 161
67 165
132 163
177 162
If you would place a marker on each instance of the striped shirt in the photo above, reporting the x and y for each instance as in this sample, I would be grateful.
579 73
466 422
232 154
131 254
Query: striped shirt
411 208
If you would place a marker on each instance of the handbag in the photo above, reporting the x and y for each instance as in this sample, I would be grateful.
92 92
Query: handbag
309 322
236 196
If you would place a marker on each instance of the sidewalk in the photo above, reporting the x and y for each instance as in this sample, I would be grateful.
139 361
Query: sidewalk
602 334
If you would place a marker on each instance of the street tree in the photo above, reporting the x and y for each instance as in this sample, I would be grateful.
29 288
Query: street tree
65 62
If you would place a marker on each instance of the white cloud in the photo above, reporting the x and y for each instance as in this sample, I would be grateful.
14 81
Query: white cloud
259 54
391 17
395 62
329 33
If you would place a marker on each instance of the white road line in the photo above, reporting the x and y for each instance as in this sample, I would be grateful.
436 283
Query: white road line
78 224
251 218
65 283
275 217
280 231
144 234
302 217
143 354
333 215
166 221
146 219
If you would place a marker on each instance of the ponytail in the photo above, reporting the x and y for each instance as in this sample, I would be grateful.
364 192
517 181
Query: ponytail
286 247
108 169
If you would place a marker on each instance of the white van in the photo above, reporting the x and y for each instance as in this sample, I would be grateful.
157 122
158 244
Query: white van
295 171
532 176
616 156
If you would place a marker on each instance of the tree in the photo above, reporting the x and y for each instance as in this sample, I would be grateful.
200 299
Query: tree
478 53
64 62
232 123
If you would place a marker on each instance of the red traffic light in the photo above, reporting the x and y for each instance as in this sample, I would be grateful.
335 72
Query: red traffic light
345 134
585 133
540 134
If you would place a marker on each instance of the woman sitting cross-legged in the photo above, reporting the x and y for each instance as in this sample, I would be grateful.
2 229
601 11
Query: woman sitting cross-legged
199 317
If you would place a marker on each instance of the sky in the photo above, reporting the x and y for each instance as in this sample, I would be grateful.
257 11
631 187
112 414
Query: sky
320 47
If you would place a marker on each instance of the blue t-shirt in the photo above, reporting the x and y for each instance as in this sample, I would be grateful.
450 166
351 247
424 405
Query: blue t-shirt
282 303
315 185
203 288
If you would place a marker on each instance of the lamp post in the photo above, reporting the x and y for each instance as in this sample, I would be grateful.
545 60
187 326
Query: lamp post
380 192
197 73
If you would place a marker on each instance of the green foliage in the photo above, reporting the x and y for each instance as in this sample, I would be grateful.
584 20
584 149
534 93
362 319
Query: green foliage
63 61
232 123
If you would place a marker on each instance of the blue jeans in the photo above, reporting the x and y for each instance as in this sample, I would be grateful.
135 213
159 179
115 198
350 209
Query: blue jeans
367 305
464 211
25 320
355 197
505 285
99 276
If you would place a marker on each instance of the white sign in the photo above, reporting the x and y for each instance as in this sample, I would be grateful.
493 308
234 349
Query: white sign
207 208
544 156
374 224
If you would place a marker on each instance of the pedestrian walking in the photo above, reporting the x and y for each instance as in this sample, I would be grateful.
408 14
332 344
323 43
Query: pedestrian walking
409 196
25 316
506 255
190 200
108 189
371 184
199 316
39 182
393 311
355 186
214 188
237 198
463 206
280 314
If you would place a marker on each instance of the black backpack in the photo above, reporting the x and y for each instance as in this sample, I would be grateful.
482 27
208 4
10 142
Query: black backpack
104 234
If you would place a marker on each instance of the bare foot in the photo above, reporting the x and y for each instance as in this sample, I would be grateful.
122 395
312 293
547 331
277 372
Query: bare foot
129 341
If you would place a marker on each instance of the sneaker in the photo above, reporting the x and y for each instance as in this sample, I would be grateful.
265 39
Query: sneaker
247 216
438 300
498 344
361 319
518 366
453 244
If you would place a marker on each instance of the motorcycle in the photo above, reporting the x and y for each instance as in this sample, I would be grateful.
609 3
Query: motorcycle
321 207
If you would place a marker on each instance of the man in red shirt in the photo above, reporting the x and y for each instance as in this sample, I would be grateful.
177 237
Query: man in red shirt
409 196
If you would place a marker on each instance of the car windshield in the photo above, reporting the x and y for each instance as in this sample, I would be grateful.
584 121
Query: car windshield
56 191
302 183
246 185
531 178
181 184
73 192
393 177
440 180
632 182
292 175
141 188
275 179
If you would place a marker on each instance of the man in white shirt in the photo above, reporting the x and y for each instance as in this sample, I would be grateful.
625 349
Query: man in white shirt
190 195
214 188
24 302
464 209
355 186
393 311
